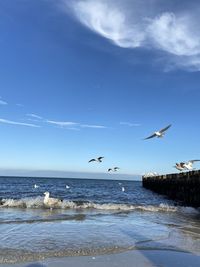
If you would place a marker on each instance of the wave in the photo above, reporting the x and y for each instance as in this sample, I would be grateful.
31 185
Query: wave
66 204
76 217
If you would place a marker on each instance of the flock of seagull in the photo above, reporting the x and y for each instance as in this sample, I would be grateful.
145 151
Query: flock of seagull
99 159
181 166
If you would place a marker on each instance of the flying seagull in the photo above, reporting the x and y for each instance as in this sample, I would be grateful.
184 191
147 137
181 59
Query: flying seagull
180 166
159 133
189 165
114 169
99 159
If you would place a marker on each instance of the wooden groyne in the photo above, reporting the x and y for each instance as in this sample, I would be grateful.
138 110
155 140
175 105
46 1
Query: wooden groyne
184 186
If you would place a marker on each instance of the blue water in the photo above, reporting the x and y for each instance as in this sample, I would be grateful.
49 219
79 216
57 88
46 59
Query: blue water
84 190
94 217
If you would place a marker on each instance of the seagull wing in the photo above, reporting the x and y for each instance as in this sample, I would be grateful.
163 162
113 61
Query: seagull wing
109 169
151 136
182 164
194 160
165 129
100 158
116 168
91 160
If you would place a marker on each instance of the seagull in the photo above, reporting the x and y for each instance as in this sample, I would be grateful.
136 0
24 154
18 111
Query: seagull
159 133
114 169
180 166
99 159
189 165
49 201
67 186
36 186
123 189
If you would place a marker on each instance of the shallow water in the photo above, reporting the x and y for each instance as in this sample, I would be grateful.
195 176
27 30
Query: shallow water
95 217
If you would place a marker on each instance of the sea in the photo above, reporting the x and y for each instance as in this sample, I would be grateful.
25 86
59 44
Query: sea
95 217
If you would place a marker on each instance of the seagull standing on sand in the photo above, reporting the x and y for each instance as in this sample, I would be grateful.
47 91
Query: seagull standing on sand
189 165
50 201
159 133
99 159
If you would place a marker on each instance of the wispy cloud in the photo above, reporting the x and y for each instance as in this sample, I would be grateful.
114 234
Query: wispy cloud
19 105
93 126
108 20
18 123
130 124
34 116
2 102
74 125
175 32
63 123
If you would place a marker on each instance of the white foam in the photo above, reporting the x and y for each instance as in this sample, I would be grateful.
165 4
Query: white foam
38 203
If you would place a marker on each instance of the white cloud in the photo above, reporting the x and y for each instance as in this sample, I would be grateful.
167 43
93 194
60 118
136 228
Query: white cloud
93 126
173 32
63 123
108 21
174 35
34 116
2 102
74 125
18 123
19 105
130 124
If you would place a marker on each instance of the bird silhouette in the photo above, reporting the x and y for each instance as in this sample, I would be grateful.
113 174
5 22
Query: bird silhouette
159 133
180 166
114 169
99 159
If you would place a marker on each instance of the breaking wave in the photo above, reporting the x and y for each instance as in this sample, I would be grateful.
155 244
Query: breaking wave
77 205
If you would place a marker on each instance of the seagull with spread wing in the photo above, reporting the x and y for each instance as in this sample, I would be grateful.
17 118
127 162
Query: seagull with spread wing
180 166
99 159
159 133
189 165
114 169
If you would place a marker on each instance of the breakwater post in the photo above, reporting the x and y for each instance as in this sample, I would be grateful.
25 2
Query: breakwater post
184 186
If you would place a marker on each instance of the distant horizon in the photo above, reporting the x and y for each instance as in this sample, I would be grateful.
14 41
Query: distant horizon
66 174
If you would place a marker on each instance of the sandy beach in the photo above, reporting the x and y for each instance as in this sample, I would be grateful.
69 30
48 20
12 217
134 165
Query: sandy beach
135 258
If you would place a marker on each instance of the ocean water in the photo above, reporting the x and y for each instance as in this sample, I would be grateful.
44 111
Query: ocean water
95 217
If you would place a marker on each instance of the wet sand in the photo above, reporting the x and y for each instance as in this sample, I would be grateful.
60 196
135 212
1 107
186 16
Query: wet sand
134 258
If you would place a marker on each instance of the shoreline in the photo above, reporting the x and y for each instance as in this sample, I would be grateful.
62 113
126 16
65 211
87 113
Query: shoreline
133 258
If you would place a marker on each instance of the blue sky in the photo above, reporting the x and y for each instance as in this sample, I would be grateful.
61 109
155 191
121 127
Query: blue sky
82 79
